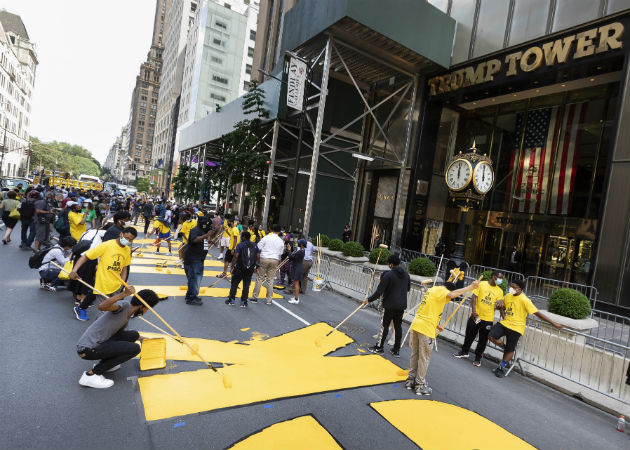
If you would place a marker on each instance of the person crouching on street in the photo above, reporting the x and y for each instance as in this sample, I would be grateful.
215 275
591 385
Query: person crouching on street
394 286
423 328
108 340
59 254
245 261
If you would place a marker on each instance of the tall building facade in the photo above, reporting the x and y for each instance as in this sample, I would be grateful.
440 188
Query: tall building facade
144 101
181 16
18 63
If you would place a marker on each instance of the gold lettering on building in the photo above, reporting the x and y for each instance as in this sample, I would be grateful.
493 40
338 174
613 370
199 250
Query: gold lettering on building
586 43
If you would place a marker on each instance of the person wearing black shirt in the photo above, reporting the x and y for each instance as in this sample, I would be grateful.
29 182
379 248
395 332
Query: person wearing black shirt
347 233
194 255
120 220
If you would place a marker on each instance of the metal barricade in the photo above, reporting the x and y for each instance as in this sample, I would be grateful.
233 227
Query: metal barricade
539 289
611 327
476 270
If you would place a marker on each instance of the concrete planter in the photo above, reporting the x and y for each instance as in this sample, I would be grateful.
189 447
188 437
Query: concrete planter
380 267
326 251
353 259
581 325
418 279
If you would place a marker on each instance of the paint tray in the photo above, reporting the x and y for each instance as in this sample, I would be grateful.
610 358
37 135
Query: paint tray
153 354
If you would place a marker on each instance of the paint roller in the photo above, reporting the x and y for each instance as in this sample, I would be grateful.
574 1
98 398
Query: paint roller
441 327
318 341
227 382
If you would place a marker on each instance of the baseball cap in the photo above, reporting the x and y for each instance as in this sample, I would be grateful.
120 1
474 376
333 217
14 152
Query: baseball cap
71 204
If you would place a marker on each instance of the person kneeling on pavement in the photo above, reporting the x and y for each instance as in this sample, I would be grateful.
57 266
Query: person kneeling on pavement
108 340
59 254
423 328
393 286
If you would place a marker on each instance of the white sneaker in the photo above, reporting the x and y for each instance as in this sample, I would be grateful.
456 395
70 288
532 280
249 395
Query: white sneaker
220 256
170 254
95 381
294 301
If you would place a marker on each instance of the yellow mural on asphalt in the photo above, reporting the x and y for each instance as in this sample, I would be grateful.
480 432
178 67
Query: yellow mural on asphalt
136 268
171 261
284 366
180 291
435 425
301 433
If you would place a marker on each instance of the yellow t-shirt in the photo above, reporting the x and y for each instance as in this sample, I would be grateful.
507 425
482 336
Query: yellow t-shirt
252 235
226 230
235 237
186 227
76 227
517 307
160 227
113 258
430 311
487 296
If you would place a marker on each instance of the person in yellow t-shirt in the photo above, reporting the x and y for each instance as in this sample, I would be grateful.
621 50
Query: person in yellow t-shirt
77 220
114 257
224 242
235 237
163 232
188 225
514 310
423 329
480 321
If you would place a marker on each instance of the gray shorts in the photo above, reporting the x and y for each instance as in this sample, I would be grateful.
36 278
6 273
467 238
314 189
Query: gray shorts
42 232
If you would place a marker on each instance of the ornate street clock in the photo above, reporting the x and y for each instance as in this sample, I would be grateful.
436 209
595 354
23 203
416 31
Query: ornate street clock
469 178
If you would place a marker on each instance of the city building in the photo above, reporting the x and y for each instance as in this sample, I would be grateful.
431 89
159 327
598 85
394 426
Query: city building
18 64
181 16
144 101
541 87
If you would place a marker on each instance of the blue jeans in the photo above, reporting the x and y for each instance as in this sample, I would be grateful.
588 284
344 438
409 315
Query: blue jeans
194 273
51 276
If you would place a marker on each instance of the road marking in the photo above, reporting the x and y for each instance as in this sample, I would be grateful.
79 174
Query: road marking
290 312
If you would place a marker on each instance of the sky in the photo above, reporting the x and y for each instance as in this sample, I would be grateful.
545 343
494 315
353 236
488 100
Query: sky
89 56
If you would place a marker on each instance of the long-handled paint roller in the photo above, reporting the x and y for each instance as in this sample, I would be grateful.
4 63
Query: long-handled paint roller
227 382
318 341
415 308
166 333
441 327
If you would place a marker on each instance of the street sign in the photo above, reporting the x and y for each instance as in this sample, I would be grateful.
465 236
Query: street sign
295 83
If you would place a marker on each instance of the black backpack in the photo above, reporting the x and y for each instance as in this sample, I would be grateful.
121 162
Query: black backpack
83 245
27 210
37 259
247 257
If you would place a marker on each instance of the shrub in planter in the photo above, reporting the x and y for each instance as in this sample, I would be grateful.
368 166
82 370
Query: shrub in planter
423 267
352 248
384 255
569 303
324 240
335 245
486 275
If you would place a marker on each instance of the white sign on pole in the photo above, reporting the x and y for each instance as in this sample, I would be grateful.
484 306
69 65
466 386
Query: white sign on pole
295 83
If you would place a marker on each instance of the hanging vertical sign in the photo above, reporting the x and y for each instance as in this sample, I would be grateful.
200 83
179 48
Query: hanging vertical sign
295 83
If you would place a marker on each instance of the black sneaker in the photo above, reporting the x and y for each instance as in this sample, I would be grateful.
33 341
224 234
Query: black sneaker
375 349
477 362
194 302
395 352
499 373
243 303
253 300
460 354
229 302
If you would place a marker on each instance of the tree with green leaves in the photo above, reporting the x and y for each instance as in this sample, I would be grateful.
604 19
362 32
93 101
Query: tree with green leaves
142 184
64 157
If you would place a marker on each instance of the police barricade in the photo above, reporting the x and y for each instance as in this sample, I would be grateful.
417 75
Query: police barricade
539 289
476 270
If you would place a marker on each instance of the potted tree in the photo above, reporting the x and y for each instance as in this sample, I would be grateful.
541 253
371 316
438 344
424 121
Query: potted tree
382 261
334 248
354 252
421 269
571 309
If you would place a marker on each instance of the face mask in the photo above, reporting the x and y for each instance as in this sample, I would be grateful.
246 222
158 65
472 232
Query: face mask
512 291
125 242
499 281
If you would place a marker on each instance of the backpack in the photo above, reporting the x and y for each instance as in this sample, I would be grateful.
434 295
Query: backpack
27 210
83 245
37 259
60 224
247 256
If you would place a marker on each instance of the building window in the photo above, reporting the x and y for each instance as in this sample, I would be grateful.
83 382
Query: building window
250 52
220 24
219 79
217 97
248 69
227 5
246 85
252 35
216 59
217 41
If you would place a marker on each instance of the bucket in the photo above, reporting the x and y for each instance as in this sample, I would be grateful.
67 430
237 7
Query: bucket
318 284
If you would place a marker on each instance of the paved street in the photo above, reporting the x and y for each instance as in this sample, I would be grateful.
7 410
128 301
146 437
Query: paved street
44 406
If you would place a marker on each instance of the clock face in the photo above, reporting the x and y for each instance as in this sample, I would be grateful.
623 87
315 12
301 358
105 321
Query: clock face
458 174
483 177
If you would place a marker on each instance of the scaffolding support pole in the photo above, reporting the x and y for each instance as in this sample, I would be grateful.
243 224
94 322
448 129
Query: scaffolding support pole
272 162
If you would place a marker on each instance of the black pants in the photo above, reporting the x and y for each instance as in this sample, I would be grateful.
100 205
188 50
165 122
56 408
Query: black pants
238 276
472 328
388 316
116 350
89 299
28 232
147 221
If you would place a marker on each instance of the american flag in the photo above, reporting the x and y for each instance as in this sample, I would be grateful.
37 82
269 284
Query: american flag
543 158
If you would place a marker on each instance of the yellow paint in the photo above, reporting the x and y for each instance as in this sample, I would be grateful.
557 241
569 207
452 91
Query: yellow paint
244 329
150 260
301 433
153 354
287 366
435 425
176 291
174 243
158 269
257 336
360 350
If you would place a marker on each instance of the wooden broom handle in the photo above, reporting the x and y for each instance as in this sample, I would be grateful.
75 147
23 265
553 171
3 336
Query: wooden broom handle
441 328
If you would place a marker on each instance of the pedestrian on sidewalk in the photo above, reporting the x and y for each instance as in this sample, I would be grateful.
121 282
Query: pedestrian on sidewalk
245 261
271 248
194 256
297 270
308 263
394 286
108 340
347 234
514 310
114 257
8 205
481 319
422 333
